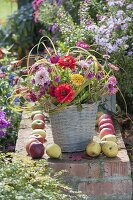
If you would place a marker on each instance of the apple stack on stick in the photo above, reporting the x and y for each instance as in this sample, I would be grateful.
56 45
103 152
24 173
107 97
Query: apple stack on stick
108 141
35 146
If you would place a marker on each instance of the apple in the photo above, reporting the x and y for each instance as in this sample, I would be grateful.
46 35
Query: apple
110 149
109 137
36 150
103 121
35 112
53 151
29 142
93 149
107 125
40 132
105 131
104 116
38 124
39 116
38 137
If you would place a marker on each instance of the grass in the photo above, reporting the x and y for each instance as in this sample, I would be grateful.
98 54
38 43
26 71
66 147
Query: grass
7 7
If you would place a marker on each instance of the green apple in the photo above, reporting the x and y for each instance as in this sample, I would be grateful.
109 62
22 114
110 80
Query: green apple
109 137
37 124
53 151
110 149
93 149
40 132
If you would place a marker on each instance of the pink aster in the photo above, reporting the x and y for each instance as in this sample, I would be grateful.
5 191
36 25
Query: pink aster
41 77
112 80
35 15
113 67
36 3
83 45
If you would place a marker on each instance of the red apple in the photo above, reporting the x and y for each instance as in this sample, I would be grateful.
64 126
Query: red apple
39 116
35 112
105 131
107 125
103 121
29 142
38 137
36 150
104 116
38 124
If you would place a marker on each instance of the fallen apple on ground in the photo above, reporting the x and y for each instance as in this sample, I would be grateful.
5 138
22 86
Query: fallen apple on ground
110 149
35 112
53 151
107 125
40 132
36 150
38 137
29 142
39 116
105 131
93 149
38 124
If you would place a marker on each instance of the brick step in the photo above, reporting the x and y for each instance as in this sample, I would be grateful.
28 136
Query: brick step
100 178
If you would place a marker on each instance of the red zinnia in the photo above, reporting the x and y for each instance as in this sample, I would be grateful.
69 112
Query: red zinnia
64 93
67 61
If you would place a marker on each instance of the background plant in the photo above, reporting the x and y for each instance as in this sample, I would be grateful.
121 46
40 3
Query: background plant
8 80
20 31
106 26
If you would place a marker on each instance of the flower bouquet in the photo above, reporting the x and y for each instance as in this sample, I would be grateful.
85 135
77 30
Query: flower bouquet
69 88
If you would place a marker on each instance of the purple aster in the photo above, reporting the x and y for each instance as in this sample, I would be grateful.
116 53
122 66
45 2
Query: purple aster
32 96
90 75
112 89
57 78
3 123
2 134
42 92
83 45
52 90
99 75
2 114
53 28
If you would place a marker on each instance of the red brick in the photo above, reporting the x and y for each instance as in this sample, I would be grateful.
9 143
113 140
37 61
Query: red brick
117 169
94 170
74 169
106 188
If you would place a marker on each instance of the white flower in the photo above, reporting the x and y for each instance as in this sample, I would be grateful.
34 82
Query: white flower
41 77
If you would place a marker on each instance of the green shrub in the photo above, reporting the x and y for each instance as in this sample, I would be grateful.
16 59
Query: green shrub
32 180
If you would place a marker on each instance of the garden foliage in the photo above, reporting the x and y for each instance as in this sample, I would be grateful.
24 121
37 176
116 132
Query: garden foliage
20 31
32 180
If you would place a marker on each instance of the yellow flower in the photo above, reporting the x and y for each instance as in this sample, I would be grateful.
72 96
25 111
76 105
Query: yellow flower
77 79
